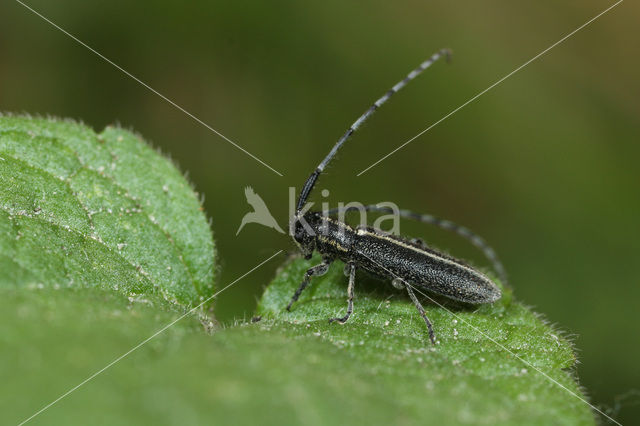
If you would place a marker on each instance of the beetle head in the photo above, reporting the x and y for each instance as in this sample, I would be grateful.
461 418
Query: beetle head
304 233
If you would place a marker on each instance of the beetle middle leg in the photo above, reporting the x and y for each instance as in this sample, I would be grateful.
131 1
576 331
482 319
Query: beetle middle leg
351 269
315 271
398 282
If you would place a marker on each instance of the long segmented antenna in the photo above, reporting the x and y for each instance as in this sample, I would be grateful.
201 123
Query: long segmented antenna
464 232
309 184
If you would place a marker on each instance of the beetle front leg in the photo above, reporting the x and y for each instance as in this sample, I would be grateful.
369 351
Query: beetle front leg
351 268
315 271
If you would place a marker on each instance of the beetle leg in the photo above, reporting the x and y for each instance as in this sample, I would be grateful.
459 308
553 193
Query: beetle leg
398 283
347 270
416 302
315 271
419 242
352 280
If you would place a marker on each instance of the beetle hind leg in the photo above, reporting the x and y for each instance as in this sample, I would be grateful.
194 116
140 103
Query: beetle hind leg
351 269
420 309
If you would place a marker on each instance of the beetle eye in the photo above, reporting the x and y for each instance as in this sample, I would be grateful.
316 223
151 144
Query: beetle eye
299 232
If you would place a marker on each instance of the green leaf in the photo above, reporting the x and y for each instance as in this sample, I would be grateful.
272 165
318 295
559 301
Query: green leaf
86 210
475 373
286 369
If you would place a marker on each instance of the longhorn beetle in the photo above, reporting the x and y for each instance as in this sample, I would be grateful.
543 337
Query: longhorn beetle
408 263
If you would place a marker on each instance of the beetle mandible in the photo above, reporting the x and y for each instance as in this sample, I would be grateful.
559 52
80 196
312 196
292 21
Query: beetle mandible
407 263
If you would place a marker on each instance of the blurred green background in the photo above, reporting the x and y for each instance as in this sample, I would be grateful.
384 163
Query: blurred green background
544 166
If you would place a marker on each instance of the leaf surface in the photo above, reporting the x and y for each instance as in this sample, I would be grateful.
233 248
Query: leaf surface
80 209
498 363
